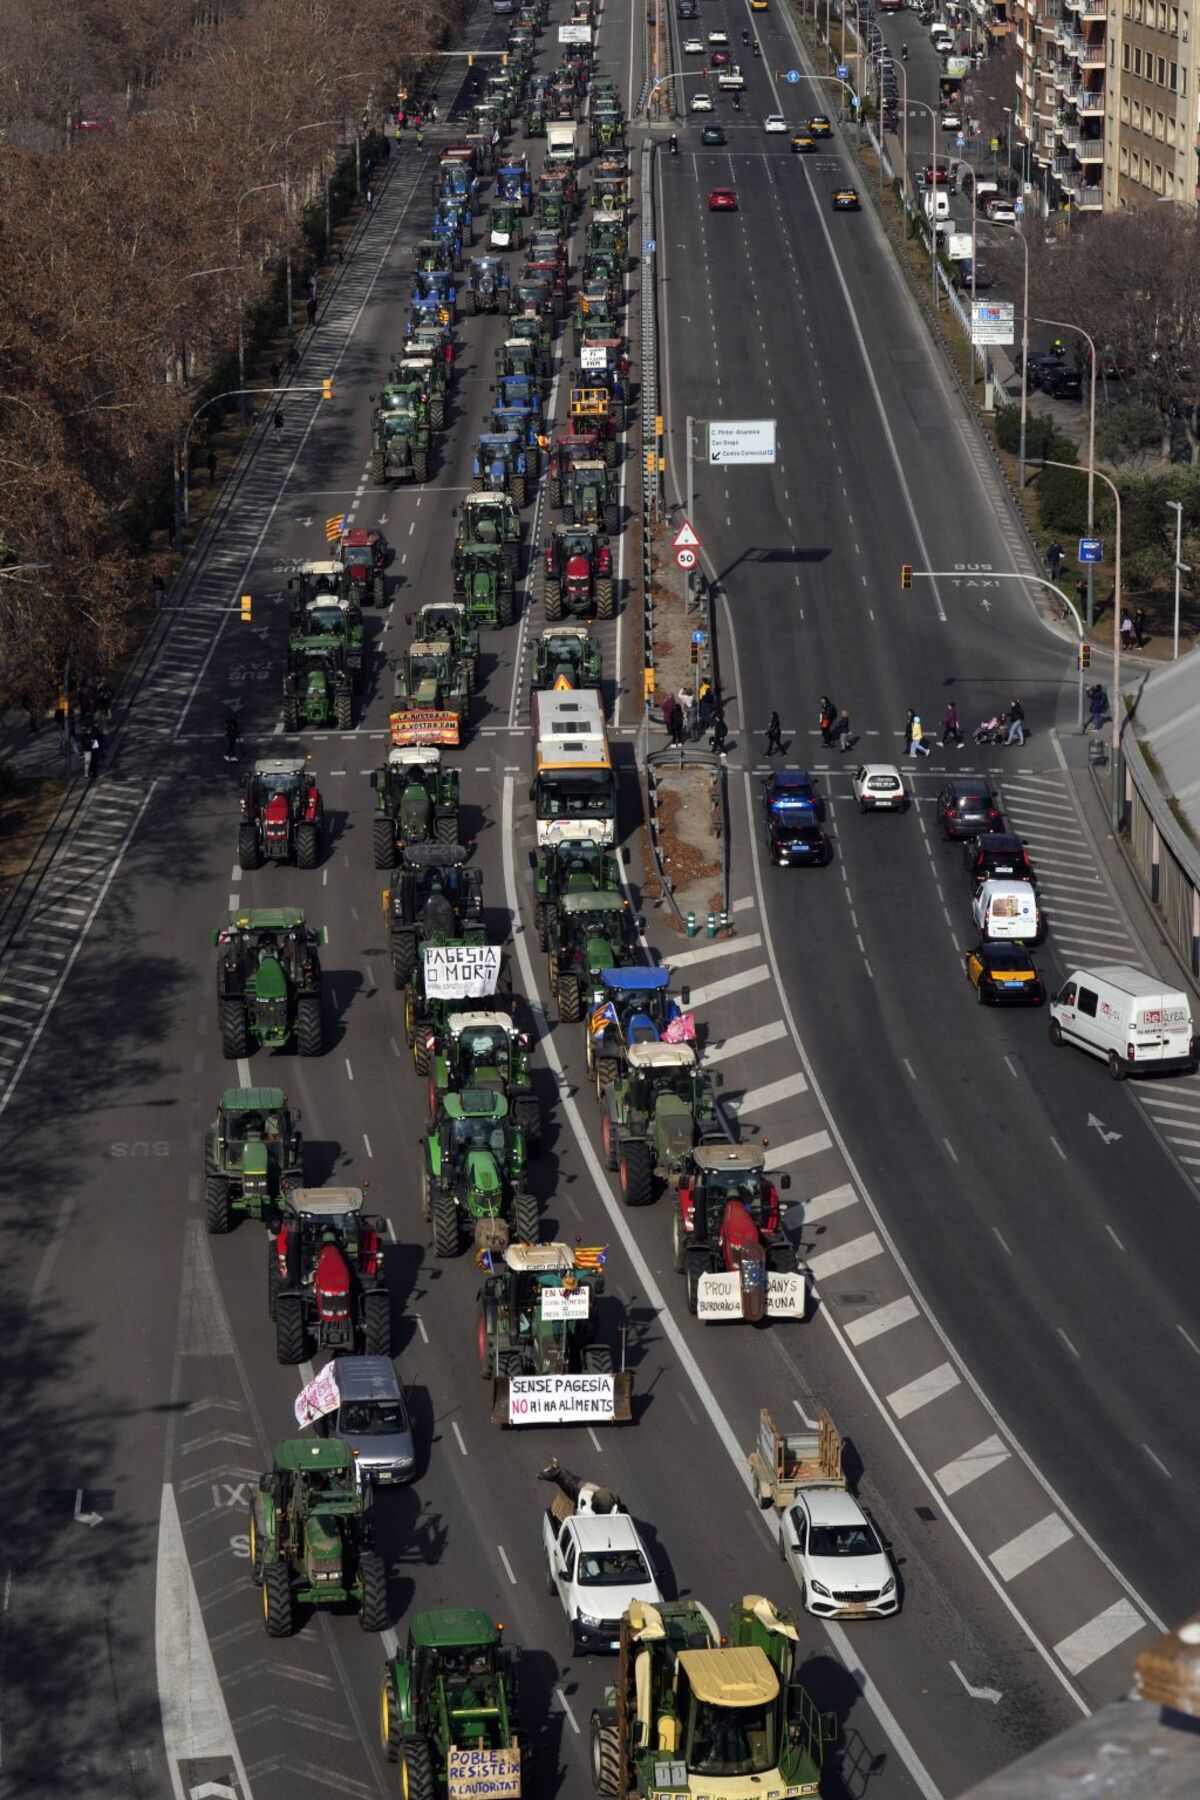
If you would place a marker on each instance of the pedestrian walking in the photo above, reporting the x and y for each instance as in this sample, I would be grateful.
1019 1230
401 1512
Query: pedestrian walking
433 112
95 751
279 418
159 591
844 730
774 735
232 734
1126 632
60 719
1097 706
311 310
420 138
1081 592
687 707
370 193
1139 627
952 732
210 463
312 284
30 707
1016 724
827 719
1054 559
908 730
720 733
916 743
86 754
704 705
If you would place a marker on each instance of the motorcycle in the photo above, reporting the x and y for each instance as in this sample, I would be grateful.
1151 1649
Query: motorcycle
904 53
673 144
745 37
737 103
757 48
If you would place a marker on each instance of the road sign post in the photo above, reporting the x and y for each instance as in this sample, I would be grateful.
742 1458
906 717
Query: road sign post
741 441
1091 550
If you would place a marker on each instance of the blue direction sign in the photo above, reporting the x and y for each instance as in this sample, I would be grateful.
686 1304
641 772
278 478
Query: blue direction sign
843 71
959 141
651 245
792 77
1091 550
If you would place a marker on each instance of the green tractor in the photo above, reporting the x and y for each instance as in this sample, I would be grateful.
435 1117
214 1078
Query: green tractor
325 616
427 1013
490 522
312 1537
433 898
318 687
472 1175
485 1050
537 1316
590 932
416 802
589 497
570 866
448 1708
659 1107
564 656
450 619
427 369
485 580
269 982
693 1706
252 1156
531 329
400 435
432 695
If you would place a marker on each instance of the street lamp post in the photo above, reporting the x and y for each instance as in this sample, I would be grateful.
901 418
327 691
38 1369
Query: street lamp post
1024 243
316 125
1065 325
1181 568
1116 697
354 75
933 184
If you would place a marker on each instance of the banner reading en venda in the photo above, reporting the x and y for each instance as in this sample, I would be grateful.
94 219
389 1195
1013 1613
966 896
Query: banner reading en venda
560 1399
321 1396
561 1303
484 1774
461 971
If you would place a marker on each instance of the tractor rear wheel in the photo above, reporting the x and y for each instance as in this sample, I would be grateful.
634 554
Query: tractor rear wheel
568 513
554 494
383 842
609 1140
636 1173
607 1070
249 848
606 605
389 1716
373 1610
678 1241
410 1015
404 961
437 413
420 465
378 590
233 1029
570 999
445 829
606 1759
377 1322
528 1115
216 1203
426 1193
308 846
612 520
506 606
255 1545
377 467
612 452
272 1278
447 1235
290 1335
526 1225
552 599
518 489
469 302
277 1600
416 1771
310 1027
597 1359
477 484
291 714
343 709
420 1052
692 1271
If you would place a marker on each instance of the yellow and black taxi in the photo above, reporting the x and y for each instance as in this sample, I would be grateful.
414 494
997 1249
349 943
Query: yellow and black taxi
819 126
803 141
1004 974
758 5
845 199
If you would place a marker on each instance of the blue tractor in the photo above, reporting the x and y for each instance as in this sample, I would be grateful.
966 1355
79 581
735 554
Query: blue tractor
487 285
636 1009
513 184
500 465
434 290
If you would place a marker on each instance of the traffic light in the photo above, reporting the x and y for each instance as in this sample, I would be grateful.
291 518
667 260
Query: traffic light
247 608
1085 656
905 575
327 387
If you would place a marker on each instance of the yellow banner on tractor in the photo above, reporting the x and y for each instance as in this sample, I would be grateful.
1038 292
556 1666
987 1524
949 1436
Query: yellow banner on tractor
424 727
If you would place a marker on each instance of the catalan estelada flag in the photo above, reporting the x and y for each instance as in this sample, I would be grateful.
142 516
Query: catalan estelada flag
591 1256
333 527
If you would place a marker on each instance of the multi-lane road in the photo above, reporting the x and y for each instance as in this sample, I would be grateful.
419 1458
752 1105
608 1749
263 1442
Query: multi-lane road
976 1268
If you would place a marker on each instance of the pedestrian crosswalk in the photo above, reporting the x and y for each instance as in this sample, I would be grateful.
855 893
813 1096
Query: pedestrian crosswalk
1085 923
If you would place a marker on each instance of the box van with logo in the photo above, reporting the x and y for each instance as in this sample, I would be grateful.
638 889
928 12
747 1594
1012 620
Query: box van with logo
1127 1017
1009 910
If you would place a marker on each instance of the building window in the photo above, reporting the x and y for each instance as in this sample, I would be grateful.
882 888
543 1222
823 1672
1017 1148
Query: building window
1174 78
1137 62
1137 114
1123 161
1174 21
1162 71
1126 56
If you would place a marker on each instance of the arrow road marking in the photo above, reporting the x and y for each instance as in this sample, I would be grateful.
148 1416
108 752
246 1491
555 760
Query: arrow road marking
1107 1137
978 1693
85 1518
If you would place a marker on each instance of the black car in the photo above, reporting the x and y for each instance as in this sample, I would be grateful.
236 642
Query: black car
966 807
712 134
1004 974
790 845
997 856
983 275
1061 383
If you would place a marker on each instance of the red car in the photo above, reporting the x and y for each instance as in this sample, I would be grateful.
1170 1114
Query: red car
722 200
720 59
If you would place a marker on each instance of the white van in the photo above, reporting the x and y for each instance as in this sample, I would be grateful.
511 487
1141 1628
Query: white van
1008 910
1127 1017
936 203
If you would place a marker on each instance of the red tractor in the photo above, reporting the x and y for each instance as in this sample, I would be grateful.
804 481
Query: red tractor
326 1285
728 1240
363 555
282 815
579 573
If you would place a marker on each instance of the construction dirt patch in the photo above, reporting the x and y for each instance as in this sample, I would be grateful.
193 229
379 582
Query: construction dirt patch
689 825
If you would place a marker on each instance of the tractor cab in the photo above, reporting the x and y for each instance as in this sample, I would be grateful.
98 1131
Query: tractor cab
729 1239
313 581
636 1005
475 1120
661 1072
564 657
364 555
328 1258
482 1045
725 1176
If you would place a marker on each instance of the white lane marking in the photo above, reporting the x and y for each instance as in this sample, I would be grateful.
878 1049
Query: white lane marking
742 1042
458 1435
730 984
844 1256
744 904
769 1094
924 1390
822 1206
508 1568
884 1318
1105 1632
1158 1461
796 1149
562 1698
962 1470
686 959
1030 1546
243 1069
421 1328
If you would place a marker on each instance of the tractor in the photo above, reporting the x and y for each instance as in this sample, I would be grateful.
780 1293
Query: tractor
519 406
485 580
490 520
590 931
728 1240
552 270
427 1013
433 896
448 1708
505 232
579 573
447 229
636 1008
590 497
487 285
318 689
364 555
416 801
326 1285
252 1156
472 1175
519 356
531 329
564 657
513 185
282 816
450 619
399 438
435 291
553 212
269 982
311 1537
537 1316
535 118
570 866
580 444
326 619
500 465
532 295
425 368
485 1050
432 697
430 257
590 409
693 1705
659 1107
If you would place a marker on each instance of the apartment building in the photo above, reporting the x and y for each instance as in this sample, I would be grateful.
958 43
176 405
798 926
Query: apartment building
1151 127
1062 57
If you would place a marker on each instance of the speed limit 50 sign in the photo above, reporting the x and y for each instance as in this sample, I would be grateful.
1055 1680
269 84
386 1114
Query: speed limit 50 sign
685 557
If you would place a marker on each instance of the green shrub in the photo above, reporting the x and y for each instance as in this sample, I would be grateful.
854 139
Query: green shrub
1124 431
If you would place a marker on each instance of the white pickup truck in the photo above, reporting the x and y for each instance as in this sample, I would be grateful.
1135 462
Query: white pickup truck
731 79
596 1561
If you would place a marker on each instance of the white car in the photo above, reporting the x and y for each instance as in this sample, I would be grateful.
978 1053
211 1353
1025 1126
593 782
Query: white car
998 211
775 122
598 1566
693 47
878 788
951 121
701 103
718 39
835 1554
943 43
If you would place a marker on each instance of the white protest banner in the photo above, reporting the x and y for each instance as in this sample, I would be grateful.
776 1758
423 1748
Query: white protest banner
593 356
563 1303
719 1296
318 1398
461 971
560 1399
484 1774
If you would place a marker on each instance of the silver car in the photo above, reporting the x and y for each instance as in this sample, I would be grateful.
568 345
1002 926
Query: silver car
372 1418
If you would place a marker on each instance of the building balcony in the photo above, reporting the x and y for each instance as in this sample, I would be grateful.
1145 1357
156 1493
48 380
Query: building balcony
1063 163
1066 35
1088 199
1092 56
1090 150
1090 100
1068 135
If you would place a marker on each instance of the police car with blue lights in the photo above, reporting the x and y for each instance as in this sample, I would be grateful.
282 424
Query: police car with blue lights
792 815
